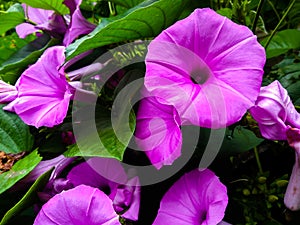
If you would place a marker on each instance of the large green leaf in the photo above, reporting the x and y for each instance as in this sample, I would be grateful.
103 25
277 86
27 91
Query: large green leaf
28 54
126 3
145 20
11 44
55 5
11 18
239 141
282 42
14 133
19 170
109 145
28 199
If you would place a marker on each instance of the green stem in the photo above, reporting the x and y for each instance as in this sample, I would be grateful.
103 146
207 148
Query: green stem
274 9
258 161
112 9
259 8
279 23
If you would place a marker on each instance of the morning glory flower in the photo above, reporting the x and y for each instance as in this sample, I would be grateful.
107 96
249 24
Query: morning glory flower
273 111
208 67
8 92
108 175
43 91
69 27
197 198
78 24
292 194
41 19
78 206
158 131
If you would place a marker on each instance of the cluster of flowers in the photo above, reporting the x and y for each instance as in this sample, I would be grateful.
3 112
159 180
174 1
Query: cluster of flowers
204 71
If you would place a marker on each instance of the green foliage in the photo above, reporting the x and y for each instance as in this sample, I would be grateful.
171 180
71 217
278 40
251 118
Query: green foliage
126 3
19 170
282 42
55 5
11 44
28 199
107 144
11 18
145 20
27 55
239 140
14 133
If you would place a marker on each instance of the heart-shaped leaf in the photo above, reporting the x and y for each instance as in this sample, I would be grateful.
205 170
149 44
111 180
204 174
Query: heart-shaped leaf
14 133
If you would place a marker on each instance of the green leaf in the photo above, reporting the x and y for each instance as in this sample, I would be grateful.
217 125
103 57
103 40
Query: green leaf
12 43
28 54
282 42
225 12
11 18
19 170
126 3
240 141
145 20
28 199
55 5
111 145
14 133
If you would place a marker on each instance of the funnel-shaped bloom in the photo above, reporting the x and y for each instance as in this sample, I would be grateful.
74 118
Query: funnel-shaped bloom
8 92
197 198
109 176
273 111
78 24
292 194
78 206
158 132
45 20
206 66
43 91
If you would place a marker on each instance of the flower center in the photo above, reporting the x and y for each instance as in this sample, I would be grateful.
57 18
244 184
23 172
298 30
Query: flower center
200 76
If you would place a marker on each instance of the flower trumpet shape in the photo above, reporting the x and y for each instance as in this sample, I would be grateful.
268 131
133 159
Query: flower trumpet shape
292 194
206 66
274 111
197 198
43 91
78 206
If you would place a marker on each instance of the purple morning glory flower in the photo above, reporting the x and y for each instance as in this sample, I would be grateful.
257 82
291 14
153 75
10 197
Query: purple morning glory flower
197 198
109 176
273 111
8 92
45 20
43 91
78 24
292 194
158 132
209 68
69 27
78 206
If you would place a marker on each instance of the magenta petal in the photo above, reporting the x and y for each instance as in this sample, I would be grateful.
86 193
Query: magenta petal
211 74
79 206
38 16
8 92
44 93
128 198
78 26
102 173
273 111
25 29
196 198
158 132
